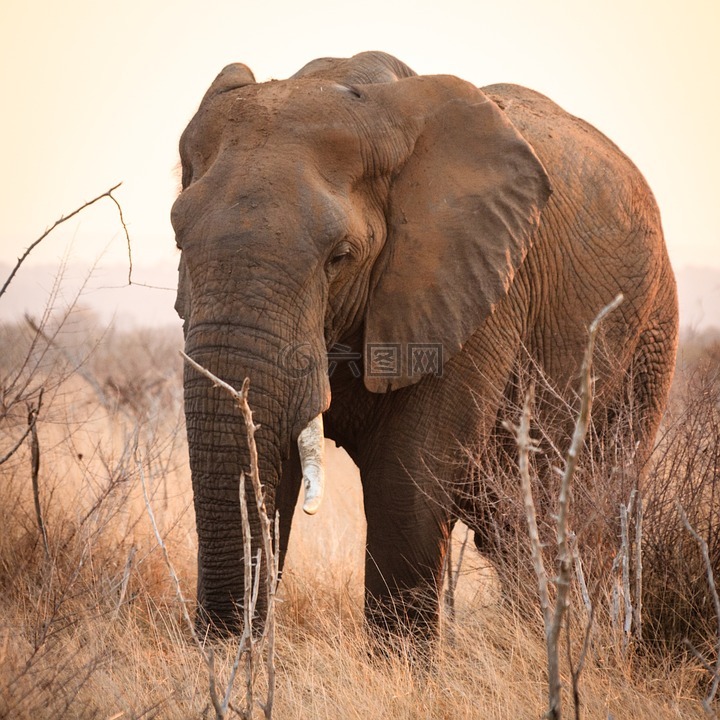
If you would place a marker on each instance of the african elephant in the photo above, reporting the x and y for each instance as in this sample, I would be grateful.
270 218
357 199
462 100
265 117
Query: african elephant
384 251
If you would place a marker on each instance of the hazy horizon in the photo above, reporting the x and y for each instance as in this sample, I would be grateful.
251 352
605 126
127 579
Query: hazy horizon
150 300
97 94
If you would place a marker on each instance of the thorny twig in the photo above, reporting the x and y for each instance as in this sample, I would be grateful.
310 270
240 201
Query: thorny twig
64 218
621 567
575 671
553 618
571 459
270 554
707 701
638 567
625 511
245 644
20 441
525 447
125 581
35 471
248 605
580 574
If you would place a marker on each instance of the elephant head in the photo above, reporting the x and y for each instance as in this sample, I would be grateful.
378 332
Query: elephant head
354 203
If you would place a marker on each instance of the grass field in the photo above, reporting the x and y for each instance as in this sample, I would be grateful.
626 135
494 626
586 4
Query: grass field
91 625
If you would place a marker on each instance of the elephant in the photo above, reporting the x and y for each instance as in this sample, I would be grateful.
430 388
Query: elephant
381 253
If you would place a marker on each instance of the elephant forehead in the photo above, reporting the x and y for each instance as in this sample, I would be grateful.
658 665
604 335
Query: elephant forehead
299 110
263 203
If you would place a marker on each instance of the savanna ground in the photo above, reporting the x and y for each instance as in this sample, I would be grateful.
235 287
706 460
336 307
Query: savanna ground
91 625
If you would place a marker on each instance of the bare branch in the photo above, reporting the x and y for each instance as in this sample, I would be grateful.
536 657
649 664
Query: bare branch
571 459
125 230
716 602
638 567
273 572
446 572
525 446
17 445
553 618
699 657
270 554
65 218
166 557
35 471
125 581
248 604
625 561
575 672
580 574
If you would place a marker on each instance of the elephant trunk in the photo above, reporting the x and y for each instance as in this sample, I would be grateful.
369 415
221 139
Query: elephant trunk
282 406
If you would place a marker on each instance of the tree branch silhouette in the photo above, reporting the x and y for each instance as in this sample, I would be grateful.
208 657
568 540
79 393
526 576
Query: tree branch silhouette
65 218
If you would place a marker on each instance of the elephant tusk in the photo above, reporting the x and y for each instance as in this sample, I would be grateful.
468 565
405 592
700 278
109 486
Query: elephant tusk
311 445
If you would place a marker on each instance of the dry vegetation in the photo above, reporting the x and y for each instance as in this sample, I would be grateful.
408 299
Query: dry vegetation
91 625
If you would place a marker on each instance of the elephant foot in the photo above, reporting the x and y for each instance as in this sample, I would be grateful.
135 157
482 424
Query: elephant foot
226 624
403 625
217 626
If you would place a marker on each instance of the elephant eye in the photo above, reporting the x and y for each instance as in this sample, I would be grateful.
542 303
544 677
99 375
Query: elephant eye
341 252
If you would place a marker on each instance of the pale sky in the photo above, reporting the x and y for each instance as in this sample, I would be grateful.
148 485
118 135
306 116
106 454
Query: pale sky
97 93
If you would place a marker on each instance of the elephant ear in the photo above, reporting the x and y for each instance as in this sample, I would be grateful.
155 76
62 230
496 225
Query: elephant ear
231 77
200 133
365 68
461 216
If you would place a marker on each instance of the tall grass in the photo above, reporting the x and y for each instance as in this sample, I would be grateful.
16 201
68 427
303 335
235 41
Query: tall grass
96 629
686 472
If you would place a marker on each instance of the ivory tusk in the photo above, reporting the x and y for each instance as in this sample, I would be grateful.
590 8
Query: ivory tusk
311 445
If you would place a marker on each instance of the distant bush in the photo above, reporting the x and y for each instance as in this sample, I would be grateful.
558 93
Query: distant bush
96 629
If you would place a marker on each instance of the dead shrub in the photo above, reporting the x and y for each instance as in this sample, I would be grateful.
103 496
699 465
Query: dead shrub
686 470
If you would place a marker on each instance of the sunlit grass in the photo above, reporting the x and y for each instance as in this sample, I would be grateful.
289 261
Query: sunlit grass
98 630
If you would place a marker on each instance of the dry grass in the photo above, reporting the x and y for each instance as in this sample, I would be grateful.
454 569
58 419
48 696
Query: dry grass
686 471
98 632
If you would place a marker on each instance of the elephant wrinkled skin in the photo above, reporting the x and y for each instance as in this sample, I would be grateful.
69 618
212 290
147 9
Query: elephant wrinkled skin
389 250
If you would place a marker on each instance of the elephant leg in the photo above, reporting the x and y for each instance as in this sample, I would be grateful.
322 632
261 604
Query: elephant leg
653 369
407 531
626 423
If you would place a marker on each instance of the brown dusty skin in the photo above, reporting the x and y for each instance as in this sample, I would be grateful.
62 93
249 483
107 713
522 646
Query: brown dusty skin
454 243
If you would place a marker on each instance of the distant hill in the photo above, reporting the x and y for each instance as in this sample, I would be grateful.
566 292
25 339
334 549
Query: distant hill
106 293
699 291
